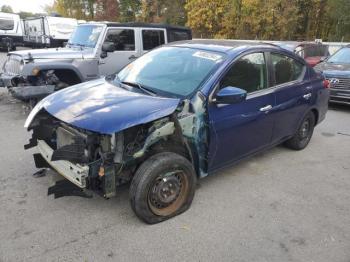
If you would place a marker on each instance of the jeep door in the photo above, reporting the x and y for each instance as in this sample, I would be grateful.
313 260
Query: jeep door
125 40
152 38
237 130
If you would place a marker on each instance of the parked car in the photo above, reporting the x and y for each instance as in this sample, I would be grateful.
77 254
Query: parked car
334 46
11 31
312 52
176 114
337 70
94 50
48 31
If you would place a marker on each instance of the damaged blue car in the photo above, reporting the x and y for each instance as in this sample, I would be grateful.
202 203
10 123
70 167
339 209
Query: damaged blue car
177 114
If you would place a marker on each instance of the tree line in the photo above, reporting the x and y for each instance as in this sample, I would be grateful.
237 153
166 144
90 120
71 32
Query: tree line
238 19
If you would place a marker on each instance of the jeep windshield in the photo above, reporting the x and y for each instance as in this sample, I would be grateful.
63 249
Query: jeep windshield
171 71
85 36
340 57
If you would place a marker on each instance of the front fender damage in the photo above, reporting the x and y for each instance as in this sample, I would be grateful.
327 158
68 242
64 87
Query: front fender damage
111 160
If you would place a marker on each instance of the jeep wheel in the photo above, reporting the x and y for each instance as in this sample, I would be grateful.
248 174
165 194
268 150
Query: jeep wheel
162 187
303 136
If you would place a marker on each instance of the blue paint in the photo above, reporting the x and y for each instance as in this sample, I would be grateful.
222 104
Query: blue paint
224 133
105 108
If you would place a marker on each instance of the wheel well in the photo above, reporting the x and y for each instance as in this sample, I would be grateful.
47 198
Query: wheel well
169 146
315 112
67 76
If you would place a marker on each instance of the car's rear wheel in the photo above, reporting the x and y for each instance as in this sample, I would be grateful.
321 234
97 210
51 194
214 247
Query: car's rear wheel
304 133
163 187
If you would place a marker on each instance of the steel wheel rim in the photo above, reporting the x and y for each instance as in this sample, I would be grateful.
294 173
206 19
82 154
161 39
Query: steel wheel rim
168 192
305 130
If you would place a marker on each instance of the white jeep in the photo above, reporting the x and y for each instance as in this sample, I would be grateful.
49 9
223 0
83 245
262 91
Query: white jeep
94 50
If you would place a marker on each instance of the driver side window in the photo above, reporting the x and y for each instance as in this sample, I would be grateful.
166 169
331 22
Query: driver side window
248 73
123 39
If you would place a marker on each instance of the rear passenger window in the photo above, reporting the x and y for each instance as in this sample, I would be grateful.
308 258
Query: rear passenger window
286 69
248 73
178 35
123 39
152 39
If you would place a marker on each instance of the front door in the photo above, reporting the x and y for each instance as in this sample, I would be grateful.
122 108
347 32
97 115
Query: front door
126 50
237 130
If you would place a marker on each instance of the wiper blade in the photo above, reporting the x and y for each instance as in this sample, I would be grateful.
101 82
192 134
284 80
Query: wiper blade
139 86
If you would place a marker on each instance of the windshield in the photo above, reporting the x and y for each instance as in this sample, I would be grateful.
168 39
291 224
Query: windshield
6 24
85 35
341 57
174 71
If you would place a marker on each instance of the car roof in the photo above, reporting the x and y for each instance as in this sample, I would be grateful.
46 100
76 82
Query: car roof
139 24
224 46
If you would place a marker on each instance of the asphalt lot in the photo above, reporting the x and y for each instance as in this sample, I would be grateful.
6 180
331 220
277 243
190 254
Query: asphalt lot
279 206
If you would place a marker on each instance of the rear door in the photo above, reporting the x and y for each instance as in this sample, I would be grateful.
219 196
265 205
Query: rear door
126 49
237 130
293 92
152 38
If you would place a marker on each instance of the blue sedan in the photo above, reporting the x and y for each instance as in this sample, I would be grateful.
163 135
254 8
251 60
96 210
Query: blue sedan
176 114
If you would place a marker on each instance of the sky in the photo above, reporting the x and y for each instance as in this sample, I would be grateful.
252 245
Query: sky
34 6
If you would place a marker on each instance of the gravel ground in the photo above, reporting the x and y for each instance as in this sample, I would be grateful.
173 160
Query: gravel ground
281 205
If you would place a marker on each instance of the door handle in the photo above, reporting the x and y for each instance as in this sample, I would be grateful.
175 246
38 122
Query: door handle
132 57
307 96
266 108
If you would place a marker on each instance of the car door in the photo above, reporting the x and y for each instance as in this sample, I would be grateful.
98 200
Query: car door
293 93
237 130
151 38
126 49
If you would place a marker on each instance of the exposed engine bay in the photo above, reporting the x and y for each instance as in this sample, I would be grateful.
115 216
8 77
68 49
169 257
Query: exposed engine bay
101 162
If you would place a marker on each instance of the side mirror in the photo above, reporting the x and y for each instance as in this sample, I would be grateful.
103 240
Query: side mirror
230 95
108 47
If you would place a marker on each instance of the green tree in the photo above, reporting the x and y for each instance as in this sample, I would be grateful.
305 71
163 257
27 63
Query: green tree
206 18
130 10
6 9
107 10
164 11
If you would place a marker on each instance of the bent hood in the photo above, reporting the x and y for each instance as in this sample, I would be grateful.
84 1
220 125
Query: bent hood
54 53
104 108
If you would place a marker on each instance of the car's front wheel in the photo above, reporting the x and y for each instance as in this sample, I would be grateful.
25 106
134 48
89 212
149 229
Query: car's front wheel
163 187
304 133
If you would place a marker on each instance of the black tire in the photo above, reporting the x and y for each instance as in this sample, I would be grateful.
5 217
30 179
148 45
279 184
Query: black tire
304 133
162 171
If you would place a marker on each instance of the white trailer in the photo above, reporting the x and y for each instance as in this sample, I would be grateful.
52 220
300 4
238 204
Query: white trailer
48 31
11 31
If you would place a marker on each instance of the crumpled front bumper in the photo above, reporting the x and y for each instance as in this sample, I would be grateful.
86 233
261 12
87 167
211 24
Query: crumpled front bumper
75 173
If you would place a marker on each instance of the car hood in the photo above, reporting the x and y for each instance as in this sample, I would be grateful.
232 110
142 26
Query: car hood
334 69
104 108
54 53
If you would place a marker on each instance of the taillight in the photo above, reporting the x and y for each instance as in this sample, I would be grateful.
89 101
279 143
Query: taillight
326 83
